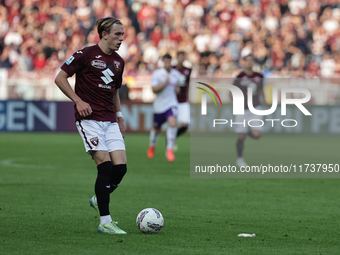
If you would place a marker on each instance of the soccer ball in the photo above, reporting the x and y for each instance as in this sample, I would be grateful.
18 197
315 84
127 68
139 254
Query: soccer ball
150 220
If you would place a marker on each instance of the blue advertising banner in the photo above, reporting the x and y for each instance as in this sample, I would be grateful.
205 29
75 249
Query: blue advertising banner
36 116
50 116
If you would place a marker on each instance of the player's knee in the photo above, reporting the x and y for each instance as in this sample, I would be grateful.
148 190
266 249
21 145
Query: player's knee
121 161
172 122
241 137
157 130
99 157
185 125
257 135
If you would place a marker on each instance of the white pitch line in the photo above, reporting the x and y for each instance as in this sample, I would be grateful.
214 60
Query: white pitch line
11 163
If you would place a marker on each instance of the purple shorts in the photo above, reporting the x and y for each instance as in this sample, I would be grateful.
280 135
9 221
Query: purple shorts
160 118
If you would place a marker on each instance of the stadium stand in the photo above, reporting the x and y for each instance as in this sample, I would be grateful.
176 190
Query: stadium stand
288 38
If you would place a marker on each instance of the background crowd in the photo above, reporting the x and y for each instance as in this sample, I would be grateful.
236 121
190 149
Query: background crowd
288 38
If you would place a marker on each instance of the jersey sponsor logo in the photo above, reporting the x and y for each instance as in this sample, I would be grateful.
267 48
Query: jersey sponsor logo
108 74
105 86
98 64
117 64
94 141
99 56
182 80
79 51
245 82
69 61
251 84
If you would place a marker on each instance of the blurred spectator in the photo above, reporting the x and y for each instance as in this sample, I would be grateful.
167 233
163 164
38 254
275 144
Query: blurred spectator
25 62
52 64
327 66
39 61
234 45
286 37
166 45
4 59
3 21
213 64
13 37
156 35
312 69
260 56
337 64
150 56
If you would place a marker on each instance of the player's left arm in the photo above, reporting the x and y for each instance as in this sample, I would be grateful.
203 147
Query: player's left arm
118 108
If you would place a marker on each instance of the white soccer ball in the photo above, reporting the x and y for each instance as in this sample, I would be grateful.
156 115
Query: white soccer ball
150 220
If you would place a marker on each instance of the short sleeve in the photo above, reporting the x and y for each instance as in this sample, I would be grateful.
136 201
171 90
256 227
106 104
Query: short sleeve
120 80
74 63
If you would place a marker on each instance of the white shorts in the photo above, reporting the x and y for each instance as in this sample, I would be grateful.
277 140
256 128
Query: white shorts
248 115
100 135
183 113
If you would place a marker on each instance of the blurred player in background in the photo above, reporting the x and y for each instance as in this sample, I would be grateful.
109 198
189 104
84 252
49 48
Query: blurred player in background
99 70
165 83
183 117
248 78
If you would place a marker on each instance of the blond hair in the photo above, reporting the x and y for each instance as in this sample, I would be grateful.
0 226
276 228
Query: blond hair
105 24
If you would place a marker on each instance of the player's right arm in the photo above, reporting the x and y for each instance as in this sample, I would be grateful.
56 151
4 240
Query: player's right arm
61 81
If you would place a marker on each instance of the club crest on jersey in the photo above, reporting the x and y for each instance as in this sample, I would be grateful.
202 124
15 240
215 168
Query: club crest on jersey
98 64
117 64
94 141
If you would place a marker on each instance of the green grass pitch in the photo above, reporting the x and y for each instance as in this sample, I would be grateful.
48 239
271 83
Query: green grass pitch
46 181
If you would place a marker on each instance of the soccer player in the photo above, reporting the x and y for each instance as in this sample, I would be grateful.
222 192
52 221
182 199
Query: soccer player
99 70
245 79
182 97
165 83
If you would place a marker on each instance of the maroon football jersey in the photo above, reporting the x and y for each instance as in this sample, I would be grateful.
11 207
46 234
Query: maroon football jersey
255 81
183 95
98 75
